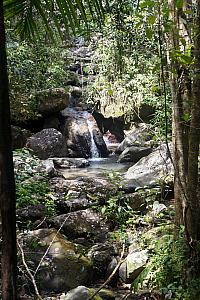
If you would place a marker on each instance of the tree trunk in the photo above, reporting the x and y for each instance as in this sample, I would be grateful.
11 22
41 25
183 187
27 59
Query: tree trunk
180 129
186 136
7 182
194 139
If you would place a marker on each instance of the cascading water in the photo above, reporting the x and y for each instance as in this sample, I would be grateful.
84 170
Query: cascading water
94 150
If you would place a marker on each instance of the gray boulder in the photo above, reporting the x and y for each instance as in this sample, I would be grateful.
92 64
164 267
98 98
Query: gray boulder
96 189
62 268
79 293
82 223
152 168
47 143
137 136
31 212
133 154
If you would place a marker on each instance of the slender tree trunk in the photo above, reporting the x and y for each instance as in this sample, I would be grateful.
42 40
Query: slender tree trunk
7 182
194 139
180 130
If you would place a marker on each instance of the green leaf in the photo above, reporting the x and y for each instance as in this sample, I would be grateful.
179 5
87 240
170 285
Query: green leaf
149 33
151 20
186 117
110 92
179 3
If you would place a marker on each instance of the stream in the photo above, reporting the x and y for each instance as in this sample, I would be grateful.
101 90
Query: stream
99 167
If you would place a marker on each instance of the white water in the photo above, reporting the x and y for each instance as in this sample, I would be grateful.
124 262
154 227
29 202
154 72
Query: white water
94 150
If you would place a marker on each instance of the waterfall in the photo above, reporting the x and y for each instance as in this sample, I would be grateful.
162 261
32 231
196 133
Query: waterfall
94 150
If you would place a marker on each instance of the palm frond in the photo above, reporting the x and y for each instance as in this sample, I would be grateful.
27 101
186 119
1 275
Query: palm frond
71 12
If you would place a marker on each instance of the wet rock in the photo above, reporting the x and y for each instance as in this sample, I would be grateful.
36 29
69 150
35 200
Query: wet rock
19 137
82 134
68 163
62 268
133 154
31 212
83 223
100 143
52 100
114 125
47 143
79 293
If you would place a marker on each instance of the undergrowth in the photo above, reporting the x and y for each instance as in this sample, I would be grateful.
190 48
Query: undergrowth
32 185
168 269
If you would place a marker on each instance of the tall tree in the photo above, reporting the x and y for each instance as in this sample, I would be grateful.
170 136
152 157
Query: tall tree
185 87
7 182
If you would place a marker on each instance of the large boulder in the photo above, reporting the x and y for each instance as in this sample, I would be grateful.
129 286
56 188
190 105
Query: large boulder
83 136
152 168
47 143
133 154
137 136
62 267
95 189
52 100
83 223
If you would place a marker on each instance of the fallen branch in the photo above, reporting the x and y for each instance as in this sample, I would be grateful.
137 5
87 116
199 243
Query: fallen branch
31 277
111 275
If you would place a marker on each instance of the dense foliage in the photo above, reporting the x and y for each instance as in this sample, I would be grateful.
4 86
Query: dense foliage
32 186
128 64
32 68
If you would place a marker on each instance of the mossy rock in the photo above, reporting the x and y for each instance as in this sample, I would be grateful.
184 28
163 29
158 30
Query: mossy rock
63 267
52 100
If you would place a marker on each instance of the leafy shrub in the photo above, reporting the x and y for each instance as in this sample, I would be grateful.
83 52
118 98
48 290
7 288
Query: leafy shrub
32 67
32 185
166 268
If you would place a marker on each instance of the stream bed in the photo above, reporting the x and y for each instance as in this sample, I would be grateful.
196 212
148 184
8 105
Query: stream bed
99 167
